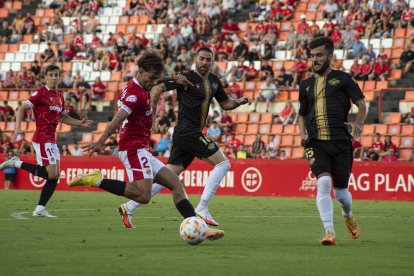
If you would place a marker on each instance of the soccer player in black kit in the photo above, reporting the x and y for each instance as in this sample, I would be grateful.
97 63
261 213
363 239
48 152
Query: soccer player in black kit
325 101
188 140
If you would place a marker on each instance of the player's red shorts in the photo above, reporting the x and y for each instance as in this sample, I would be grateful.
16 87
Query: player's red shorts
140 164
46 153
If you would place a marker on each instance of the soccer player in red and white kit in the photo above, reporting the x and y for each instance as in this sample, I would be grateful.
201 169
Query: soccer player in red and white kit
135 120
48 108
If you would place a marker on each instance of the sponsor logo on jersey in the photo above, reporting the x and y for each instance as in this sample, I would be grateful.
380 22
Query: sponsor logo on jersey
131 99
149 112
55 108
214 86
334 82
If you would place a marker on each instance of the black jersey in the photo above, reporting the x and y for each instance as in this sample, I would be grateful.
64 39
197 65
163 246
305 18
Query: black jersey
194 102
326 101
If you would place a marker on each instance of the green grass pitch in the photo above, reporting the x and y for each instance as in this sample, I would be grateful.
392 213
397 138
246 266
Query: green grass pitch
264 236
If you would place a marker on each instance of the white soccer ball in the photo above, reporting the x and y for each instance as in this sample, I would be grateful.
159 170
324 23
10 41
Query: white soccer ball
193 230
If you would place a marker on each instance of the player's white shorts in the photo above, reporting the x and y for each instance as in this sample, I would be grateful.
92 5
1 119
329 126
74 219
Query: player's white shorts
140 164
46 153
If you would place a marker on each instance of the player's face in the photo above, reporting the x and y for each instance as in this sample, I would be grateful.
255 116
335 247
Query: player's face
321 59
52 78
204 60
148 79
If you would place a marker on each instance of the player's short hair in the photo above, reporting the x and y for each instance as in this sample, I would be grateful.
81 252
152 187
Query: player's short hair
51 67
323 40
205 49
151 61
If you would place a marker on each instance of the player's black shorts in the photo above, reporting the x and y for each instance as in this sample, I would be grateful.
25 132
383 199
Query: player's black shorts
10 176
186 148
334 157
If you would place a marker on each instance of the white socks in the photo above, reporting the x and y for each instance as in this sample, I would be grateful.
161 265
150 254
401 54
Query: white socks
345 200
131 205
213 183
324 202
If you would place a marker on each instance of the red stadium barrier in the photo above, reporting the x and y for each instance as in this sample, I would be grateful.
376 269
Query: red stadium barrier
287 178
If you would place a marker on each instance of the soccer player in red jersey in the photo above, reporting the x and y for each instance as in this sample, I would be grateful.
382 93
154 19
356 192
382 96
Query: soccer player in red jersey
135 119
48 107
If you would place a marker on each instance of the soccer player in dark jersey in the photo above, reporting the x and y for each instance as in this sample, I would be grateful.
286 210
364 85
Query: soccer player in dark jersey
135 119
325 101
188 139
48 108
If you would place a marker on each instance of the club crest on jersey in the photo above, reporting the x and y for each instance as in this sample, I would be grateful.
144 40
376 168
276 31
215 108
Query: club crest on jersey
51 99
131 99
198 86
148 171
214 86
149 112
334 82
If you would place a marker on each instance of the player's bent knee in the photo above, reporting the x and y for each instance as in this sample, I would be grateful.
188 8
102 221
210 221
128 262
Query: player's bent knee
225 165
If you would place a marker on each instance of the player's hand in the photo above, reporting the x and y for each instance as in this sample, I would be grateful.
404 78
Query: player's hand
180 79
85 122
356 129
93 147
15 135
304 138
245 100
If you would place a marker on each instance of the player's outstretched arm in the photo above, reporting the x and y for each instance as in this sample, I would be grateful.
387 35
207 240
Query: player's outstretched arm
116 122
231 104
19 118
66 119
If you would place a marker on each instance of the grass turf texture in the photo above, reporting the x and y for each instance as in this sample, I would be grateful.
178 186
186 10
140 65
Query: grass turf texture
264 236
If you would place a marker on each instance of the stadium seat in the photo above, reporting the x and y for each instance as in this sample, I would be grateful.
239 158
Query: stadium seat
407 130
240 128
369 85
254 118
286 140
266 118
381 129
100 127
242 118
407 142
409 96
368 130
394 129
289 129
252 129
249 139
264 128
396 140
156 137
277 129
394 118
65 128
4 95
404 154
298 153
366 140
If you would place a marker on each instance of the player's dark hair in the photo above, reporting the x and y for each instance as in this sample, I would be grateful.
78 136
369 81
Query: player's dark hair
51 67
323 40
205 49
151 61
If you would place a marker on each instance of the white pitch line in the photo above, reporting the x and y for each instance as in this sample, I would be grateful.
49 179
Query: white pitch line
20 215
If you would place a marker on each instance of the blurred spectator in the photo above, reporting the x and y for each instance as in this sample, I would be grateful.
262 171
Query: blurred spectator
249 73
9 173
214 132
241 152
348 36
69 52
10 80
65 151
272 146
226 123
370 53
266 70
389 156
355 69
48 55
23 146
356 48
230 30
8 111
235 142
28 26
240 50
388 144
366 69
300 67
407 58
267 93
380 71
18 23
98 89
5 143
162 146
411 157
92 23
77 151
5 32
234 90
330 8
287 116
35 68
377 145
230 152
284 79
258 146
409 117
111 148
134 8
